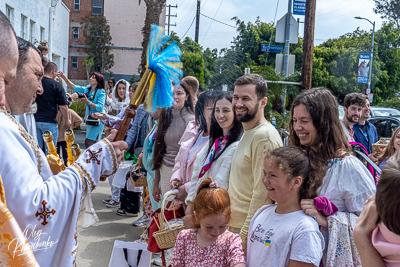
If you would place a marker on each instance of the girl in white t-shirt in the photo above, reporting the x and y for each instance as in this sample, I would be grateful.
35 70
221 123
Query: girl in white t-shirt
282 234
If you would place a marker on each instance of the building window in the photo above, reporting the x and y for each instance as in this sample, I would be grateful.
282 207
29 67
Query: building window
32 31
75 33
10 14
23 26
77 4
97 7
41 34
74 62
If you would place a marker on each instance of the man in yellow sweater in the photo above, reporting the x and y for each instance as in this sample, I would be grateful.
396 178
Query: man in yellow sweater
246 189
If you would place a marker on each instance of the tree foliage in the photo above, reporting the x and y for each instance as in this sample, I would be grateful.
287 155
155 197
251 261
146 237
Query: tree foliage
96 31
154 9
388 9
335 64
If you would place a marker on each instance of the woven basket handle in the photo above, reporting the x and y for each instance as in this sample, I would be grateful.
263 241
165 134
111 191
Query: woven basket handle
130 172
163 208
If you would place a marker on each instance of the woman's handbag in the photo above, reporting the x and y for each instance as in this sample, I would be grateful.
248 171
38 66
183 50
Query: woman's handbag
92 121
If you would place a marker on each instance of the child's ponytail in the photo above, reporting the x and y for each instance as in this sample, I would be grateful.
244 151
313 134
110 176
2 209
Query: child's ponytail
210 201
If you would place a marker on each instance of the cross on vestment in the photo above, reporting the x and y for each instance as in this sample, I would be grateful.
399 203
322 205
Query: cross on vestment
45 213
93 156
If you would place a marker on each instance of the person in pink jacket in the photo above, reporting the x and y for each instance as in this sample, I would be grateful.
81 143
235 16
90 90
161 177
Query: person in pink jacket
192 141
377 233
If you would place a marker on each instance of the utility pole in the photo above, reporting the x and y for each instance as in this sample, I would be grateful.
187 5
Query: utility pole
169 16
308 45
196 37
287 40
372 57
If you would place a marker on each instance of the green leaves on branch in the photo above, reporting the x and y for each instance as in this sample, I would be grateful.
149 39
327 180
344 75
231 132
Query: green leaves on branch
96 31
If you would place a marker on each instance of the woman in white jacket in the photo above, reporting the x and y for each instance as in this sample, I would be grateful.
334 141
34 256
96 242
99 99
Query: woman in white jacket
120 97
214 160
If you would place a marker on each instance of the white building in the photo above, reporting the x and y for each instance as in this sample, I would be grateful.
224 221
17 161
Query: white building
41 20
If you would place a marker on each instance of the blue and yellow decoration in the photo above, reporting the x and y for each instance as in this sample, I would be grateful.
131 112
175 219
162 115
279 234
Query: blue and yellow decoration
166 65
267 243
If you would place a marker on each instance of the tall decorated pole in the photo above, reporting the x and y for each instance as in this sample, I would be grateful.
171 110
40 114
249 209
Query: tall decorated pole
163 65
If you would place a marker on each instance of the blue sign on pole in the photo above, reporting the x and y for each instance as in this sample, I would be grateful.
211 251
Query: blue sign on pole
272 48
363 68
299 7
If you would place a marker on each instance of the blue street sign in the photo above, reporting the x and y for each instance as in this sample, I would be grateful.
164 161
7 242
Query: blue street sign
299 7
272 48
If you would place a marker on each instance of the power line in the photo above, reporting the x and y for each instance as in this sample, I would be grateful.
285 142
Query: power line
186 17
218 21
213 18
189 27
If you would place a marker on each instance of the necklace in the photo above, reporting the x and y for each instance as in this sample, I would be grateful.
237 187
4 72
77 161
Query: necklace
26 136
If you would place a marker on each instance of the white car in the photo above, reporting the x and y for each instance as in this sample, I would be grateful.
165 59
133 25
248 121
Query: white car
381 111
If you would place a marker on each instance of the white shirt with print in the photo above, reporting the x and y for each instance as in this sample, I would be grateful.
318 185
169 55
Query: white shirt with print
275 239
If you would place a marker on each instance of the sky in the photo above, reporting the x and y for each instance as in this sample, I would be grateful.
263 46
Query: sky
333 18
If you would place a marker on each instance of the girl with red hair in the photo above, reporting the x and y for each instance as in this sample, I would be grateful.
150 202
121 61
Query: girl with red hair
209 243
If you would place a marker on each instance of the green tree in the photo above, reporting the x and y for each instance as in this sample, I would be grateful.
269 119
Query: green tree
193 65
96 31
154 9
388 9
88 63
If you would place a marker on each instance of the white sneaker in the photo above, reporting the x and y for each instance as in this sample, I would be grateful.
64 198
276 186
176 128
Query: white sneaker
157 261
168 256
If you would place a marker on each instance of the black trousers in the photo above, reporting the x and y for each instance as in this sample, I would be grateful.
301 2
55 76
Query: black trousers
63 147
130 201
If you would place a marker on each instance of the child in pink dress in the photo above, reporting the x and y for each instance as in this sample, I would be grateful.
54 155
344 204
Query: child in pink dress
209 243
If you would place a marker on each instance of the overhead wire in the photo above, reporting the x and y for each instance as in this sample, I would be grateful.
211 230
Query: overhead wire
218 21
187 17
212 21
189 27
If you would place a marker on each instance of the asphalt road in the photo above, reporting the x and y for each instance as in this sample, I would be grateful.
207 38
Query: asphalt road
96 242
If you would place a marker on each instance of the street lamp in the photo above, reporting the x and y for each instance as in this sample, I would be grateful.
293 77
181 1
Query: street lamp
372 52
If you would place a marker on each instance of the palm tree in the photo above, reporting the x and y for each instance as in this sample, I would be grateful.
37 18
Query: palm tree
154 9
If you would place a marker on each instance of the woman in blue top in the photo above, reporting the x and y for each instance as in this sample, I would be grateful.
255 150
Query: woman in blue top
94 98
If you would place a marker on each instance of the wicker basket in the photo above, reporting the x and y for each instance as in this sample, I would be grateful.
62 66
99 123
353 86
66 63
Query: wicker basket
380 146
142 181
166 238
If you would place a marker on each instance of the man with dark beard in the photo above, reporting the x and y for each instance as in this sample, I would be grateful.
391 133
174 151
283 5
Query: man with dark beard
364 131
246 189
353 105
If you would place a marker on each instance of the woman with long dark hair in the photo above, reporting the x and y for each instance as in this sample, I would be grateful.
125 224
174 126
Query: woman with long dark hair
171 126
392 147
193 140
335 173
214 160
94 97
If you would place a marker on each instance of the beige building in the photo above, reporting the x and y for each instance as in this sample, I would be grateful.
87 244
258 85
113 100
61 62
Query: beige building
126 19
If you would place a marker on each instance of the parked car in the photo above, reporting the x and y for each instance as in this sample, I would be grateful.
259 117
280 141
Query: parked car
385 125
381 111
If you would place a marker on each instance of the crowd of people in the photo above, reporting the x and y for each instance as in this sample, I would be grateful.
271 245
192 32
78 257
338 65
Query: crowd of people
243 197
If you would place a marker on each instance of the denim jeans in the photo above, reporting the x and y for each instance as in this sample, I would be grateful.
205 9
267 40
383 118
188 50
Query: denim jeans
41 127
115 191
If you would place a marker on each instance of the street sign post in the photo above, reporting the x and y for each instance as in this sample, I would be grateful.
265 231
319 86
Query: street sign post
299 7
281 28
272 48
363 68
